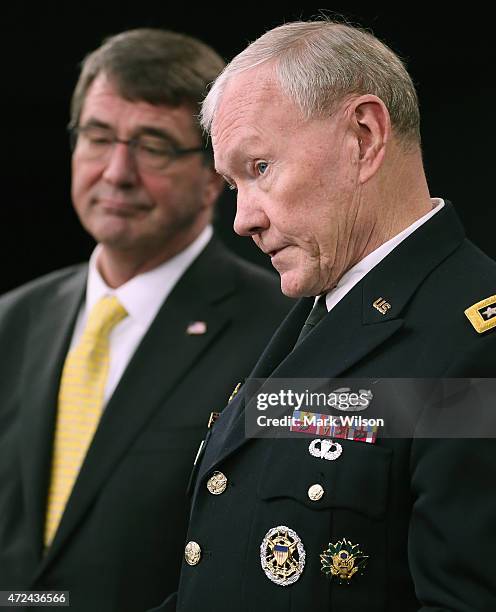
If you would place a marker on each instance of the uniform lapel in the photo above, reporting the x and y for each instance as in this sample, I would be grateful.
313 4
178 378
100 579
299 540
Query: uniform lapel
229 427
163 358
352 330
283 340
48 337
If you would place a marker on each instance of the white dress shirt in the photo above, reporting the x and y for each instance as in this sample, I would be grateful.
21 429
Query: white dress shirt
363 267
142 297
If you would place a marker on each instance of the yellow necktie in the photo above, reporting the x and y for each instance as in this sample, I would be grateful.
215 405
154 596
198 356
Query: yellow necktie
80 405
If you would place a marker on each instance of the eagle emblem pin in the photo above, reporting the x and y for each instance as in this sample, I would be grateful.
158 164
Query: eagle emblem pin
282 555
342 561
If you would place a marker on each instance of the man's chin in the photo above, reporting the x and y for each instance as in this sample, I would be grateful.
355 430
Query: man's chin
115 241
114 233
295 285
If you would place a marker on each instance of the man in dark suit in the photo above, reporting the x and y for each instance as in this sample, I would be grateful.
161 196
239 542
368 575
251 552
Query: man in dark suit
111 371
316 125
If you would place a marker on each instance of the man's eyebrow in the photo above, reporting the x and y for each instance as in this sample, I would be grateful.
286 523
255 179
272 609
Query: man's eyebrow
233 159
151 130
246 148
224 173
96 123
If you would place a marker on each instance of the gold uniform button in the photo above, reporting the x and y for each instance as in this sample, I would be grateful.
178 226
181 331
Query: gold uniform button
217 483
192 553
315 492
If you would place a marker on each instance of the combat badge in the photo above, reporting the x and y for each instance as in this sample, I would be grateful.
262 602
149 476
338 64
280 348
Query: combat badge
342 561
282 555
483 314
325 449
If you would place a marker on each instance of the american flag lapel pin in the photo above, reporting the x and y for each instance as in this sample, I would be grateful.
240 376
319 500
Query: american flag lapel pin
196 328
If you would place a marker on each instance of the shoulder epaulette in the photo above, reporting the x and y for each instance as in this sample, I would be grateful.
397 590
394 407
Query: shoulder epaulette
483 314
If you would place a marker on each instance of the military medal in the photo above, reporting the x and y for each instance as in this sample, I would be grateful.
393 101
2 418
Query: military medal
342 561
282 555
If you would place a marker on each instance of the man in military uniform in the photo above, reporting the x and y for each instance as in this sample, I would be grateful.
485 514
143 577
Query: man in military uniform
316 126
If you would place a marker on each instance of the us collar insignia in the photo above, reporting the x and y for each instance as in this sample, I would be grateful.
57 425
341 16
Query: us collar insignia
381 305
282 555
342 561
483 314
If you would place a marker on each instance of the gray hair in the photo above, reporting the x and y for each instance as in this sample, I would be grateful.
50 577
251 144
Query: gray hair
320 63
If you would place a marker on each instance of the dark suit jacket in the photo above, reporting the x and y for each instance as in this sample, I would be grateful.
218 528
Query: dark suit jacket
423 510
120 541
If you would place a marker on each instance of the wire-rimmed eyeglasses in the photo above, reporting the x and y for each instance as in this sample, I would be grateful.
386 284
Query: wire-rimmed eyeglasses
150 152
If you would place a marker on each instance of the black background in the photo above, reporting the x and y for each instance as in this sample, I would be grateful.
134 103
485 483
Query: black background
450 56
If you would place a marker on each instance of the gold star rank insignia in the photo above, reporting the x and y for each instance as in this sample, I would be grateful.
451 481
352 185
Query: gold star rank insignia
483 314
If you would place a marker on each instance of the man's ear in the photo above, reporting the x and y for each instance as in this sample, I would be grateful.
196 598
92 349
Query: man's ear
372 127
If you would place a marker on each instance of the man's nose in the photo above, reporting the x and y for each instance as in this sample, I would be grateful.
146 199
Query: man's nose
250 216
120 167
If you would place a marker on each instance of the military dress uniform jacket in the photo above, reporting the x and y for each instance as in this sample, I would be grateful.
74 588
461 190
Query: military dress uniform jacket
119 544
423 510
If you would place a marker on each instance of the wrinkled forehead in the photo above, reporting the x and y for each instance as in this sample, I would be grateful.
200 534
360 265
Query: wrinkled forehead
245 95
252 107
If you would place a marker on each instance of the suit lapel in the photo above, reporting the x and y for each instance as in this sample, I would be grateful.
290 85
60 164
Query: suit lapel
352 330
48 338
163 358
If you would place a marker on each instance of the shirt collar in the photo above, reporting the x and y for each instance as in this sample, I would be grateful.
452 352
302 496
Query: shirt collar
143 295
363 267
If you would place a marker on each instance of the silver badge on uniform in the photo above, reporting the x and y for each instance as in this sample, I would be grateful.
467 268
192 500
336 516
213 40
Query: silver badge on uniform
282 555
325 449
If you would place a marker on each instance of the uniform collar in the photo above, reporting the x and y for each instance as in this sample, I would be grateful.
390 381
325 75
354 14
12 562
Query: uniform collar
363 267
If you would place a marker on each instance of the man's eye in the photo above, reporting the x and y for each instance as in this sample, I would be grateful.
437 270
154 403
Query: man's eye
97 138
154 148
261 167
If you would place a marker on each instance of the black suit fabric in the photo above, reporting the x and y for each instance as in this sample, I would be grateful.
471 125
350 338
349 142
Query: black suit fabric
120 541
422 509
